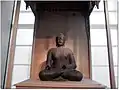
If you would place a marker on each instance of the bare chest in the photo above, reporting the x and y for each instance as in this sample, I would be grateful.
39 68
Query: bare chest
60 53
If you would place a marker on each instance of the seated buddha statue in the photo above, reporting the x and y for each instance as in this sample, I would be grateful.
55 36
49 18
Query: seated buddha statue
60 63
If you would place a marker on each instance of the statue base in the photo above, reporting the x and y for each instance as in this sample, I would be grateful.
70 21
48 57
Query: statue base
37 84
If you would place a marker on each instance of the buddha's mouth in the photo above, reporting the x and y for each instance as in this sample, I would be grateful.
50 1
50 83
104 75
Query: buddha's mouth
60 42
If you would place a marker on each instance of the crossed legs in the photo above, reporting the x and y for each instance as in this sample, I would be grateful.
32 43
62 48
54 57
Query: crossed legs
49 75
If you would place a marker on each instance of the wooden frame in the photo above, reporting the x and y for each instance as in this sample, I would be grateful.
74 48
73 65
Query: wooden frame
109 47
13 39
12 46
88 34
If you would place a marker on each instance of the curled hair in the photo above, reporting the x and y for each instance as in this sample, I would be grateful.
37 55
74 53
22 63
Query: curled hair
61 34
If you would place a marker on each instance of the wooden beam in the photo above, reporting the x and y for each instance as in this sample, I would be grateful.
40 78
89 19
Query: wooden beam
12 45
109 46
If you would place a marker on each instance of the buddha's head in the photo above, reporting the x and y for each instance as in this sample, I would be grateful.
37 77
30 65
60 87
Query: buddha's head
60 40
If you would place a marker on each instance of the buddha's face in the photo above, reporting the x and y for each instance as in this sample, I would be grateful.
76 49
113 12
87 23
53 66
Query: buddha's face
60 40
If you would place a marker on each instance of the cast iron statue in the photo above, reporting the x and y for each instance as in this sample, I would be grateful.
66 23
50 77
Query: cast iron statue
60 63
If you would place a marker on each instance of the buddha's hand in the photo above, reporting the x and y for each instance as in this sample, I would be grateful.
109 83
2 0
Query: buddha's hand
63 67
48 67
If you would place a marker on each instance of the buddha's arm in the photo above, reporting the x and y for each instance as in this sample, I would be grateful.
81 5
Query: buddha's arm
49 59
72 64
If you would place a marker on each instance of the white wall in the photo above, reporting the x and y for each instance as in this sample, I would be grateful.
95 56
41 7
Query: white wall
23 48
100 65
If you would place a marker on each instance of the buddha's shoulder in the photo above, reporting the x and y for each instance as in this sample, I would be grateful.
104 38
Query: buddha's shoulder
64 49
52 49
68 50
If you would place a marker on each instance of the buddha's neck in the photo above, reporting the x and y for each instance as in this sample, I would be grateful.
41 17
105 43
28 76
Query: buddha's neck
60 46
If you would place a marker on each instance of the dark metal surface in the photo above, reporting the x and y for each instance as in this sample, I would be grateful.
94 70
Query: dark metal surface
60 63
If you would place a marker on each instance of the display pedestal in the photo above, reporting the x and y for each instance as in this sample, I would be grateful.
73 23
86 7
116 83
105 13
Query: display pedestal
37 84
